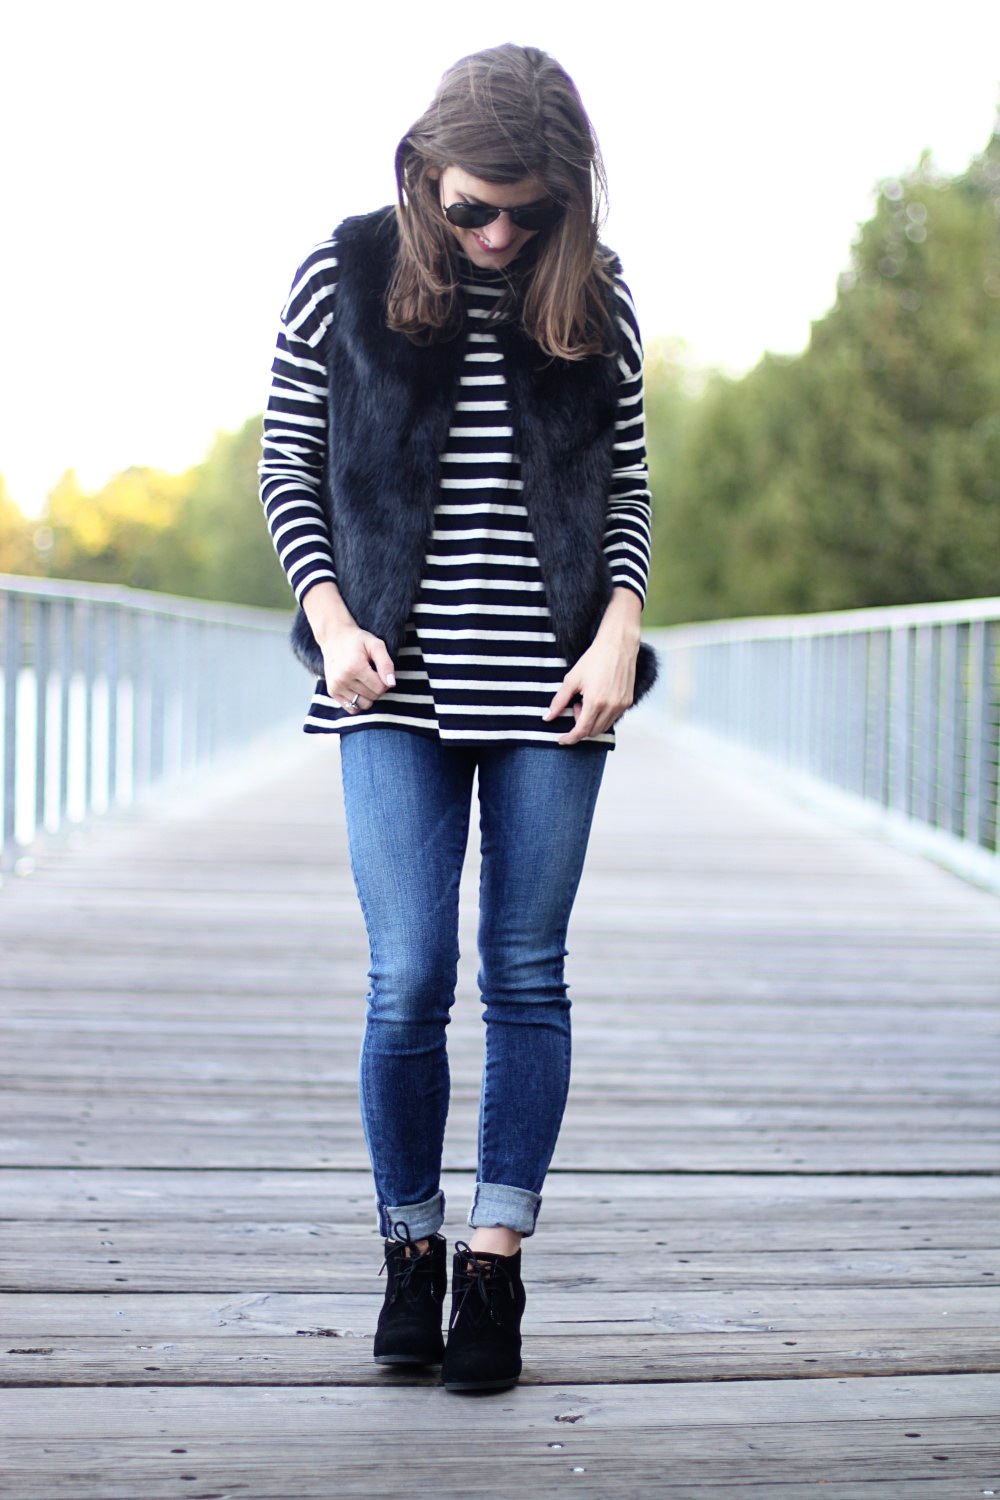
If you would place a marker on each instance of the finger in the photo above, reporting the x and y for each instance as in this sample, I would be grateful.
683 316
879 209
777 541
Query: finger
358 679
369 682
580 731
381 660
589 721
562 697
347 689
362 704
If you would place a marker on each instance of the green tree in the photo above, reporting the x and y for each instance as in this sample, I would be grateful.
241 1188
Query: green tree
200 533
867 469
222 522
671 382
17 549
125 532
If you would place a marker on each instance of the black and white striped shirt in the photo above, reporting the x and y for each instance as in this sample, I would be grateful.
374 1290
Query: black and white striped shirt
478 663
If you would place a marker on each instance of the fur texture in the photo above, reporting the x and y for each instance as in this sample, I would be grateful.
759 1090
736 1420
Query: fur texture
389 411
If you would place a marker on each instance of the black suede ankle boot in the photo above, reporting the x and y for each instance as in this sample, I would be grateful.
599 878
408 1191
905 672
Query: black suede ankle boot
409 1325
484 1334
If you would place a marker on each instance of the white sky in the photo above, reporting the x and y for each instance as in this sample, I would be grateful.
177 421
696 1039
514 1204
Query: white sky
165 169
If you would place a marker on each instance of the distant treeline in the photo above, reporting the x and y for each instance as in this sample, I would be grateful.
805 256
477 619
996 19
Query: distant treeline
200 533
865 470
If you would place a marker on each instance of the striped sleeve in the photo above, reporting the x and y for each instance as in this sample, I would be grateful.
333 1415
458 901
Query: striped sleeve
629 514
294 438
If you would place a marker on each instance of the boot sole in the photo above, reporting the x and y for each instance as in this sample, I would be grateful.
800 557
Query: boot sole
481 1385
407 1359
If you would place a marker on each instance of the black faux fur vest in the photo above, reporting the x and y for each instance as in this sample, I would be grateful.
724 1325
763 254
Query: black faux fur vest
389 411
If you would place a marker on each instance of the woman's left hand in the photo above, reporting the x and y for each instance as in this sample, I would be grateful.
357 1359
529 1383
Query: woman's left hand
604 676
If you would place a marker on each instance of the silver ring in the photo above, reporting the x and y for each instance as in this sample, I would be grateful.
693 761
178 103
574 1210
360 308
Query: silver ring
354 701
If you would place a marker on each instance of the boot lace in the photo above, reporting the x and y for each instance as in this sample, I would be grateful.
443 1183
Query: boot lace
486 1280
410 1267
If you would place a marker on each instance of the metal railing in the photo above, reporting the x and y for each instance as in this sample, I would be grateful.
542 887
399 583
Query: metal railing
891 711
110 692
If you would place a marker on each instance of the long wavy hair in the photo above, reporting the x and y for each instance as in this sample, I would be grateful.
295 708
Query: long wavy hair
502 115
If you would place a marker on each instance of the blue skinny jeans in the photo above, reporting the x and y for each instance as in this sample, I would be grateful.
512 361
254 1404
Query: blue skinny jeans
407 799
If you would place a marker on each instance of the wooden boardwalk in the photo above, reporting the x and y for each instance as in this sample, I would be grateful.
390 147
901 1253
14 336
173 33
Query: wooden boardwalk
768 1253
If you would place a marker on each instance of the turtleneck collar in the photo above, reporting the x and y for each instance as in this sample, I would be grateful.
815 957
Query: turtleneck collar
469 271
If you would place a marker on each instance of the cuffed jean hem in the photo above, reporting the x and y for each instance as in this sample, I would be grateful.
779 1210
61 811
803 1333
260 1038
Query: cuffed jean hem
421 1219
496 1205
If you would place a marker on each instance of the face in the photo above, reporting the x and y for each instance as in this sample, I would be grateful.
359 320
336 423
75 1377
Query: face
496 244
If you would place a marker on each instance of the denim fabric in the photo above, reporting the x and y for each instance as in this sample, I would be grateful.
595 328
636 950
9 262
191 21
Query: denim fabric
407 798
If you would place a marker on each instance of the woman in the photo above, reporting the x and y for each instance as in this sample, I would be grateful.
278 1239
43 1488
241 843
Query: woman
454 478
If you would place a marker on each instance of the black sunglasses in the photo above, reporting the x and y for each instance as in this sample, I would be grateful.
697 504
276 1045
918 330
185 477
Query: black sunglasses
529 216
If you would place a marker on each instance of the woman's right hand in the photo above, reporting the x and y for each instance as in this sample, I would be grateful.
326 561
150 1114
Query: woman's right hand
355 661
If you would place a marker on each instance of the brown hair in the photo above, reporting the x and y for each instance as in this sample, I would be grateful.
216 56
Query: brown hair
502 115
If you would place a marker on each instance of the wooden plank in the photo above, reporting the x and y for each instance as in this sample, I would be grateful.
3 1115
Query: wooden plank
852 1198
324 1356
211 1256
615 1440
147 1136
139 1412
696 1007
308 1474
711 1311
56 1047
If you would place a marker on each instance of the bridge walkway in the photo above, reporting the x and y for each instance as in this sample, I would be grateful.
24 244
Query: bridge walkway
769 1247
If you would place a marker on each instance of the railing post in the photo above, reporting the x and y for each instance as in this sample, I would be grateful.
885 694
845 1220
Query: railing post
146 708
111 671
857 700
879 739
949 790
12 612
156 690
40 654
88 707
800 702
923 721
187 681
65 668
978 739
899 719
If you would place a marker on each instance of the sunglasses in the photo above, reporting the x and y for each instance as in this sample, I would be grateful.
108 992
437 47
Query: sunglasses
529 216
